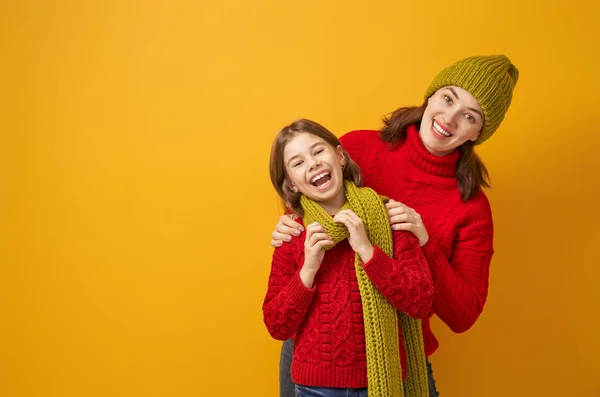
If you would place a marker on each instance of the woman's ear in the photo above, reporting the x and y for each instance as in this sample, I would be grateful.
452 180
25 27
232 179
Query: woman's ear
476 136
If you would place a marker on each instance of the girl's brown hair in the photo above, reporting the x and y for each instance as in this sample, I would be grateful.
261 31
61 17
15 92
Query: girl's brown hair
279 176
471 173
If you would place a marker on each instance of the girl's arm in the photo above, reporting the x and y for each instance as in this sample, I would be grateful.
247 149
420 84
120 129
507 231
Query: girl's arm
404 280
288 299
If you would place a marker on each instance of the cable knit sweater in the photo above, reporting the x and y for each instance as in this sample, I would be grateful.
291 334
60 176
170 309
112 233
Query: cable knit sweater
327 320
460 246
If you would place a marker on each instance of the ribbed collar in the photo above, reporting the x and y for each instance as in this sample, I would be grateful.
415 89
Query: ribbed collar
416 153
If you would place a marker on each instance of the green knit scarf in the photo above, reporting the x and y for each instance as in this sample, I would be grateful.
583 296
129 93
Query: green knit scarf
380 318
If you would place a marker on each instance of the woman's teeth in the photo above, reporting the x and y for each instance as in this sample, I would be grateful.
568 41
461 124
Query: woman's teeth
440 130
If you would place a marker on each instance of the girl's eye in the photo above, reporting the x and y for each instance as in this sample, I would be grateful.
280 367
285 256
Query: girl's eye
297 164
447 99
470 118
319 151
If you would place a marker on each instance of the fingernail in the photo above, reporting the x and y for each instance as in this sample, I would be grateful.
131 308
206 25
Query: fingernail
288 238
296 232
301 229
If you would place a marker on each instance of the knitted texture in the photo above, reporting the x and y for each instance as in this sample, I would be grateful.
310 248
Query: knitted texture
326 321
460 246
490 79
380 317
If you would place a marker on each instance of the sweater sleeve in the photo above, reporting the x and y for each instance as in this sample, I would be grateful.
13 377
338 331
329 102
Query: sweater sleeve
355 142
404 280
287 300
461 283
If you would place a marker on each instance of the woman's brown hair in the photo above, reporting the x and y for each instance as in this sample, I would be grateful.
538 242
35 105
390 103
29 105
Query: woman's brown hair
279 176
471 173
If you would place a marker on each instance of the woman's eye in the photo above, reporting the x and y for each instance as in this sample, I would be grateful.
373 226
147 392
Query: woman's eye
470 118
447 99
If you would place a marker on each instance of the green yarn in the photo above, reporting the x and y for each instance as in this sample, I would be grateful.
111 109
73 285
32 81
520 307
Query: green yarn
380 317
490 79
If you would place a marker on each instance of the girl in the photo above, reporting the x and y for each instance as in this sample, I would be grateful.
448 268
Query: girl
423 157
336 289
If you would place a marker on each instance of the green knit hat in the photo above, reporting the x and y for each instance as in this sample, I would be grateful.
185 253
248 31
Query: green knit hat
490 79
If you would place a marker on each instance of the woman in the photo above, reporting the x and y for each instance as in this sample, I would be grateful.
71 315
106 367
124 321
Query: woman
424 158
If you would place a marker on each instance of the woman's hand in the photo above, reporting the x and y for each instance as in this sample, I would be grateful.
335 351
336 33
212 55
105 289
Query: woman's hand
285 229
402 217
358 234
316 239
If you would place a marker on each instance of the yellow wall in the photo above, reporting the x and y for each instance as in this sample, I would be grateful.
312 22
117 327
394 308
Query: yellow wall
136 208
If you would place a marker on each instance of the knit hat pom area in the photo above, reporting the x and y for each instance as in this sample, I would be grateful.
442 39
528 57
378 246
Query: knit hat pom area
490 79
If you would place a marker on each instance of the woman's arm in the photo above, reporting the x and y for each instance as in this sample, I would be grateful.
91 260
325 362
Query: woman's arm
461 282
285 229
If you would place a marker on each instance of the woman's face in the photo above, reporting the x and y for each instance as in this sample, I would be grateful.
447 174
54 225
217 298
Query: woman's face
452 117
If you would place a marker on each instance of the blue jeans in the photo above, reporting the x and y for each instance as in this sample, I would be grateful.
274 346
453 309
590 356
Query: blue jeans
287 387
305 391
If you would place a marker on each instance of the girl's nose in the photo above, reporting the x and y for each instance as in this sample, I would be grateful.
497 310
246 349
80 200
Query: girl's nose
314 163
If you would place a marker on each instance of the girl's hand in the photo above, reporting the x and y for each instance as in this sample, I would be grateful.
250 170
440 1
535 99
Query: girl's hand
285 229
402 217
316 239
358 234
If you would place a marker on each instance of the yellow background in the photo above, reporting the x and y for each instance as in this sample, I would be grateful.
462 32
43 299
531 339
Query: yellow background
136 208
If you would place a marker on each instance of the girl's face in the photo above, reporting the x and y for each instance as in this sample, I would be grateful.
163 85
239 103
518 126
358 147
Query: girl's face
314 168
452 117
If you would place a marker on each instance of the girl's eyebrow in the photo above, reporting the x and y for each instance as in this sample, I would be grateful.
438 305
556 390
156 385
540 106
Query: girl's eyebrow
297 155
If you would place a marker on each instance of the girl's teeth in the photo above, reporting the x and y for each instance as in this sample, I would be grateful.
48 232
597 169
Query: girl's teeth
316 178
